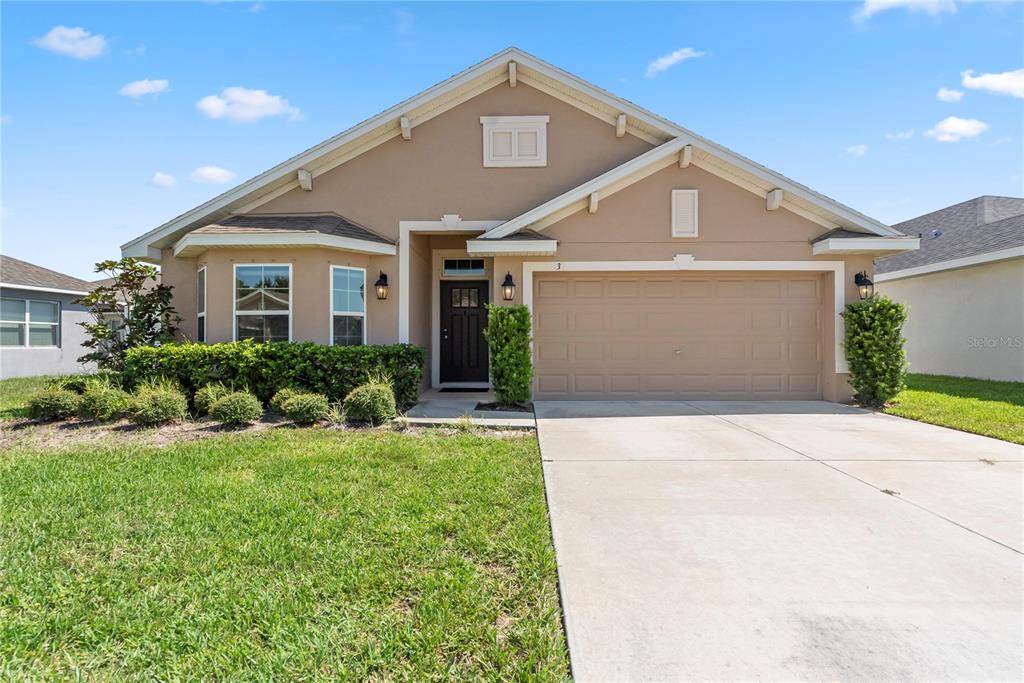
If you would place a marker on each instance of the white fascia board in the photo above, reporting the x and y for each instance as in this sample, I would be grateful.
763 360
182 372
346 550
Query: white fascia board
48 290
866 245
965 262
193 243
511 247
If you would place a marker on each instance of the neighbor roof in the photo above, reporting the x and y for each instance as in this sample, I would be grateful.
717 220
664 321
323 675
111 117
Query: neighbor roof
17 273
972 228
462 87
323 223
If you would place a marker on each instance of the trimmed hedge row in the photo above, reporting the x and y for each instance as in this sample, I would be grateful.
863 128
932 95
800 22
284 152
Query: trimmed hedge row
266 368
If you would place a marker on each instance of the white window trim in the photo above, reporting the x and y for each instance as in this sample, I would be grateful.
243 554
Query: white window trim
234 297
26 322
514 125
206 287
366 304
696 214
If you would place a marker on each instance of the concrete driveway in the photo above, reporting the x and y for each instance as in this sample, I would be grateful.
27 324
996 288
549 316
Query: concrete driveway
741 540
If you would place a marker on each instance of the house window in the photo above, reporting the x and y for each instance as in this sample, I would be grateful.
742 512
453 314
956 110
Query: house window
263 302
348 306
465 297
201 305
463 266
27 322
684 213
515 140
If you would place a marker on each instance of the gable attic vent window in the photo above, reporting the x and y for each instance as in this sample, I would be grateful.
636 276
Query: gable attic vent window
515 141
463 266
684 213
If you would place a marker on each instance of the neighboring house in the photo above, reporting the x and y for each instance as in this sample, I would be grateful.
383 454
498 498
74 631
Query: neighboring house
39 316
964 289
656 263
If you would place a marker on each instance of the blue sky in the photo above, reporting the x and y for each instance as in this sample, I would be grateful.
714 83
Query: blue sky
843 97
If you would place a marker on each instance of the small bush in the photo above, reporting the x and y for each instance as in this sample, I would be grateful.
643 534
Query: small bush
237 409
281 397
306 408
79 383
53 403
508 339
158 402
103 401
372 402
874 349
206 396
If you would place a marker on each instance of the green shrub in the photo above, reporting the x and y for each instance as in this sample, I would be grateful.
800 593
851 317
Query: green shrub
508 338
73 383
371 402
266 368
103 400
874 349
158 402
53 403
206 396
306 408
237 409
281 397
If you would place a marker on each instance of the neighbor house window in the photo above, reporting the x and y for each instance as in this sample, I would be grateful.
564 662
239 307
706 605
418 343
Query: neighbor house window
27 322
515 140
348 306
263 302
463 266
201 305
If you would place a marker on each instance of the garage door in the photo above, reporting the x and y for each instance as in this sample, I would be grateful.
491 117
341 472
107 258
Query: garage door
678 335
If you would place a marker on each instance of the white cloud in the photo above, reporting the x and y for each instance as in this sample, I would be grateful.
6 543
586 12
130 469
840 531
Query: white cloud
137 89
257 7
930 7
668 61
212 175
404 20
955 129
949 95
163 179
243 105
74 42
900 136
1006 83
857 150
6 119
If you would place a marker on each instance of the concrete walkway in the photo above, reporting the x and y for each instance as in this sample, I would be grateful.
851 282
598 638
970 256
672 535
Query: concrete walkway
741 540
436 409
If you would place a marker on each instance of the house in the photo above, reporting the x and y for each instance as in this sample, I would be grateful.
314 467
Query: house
656 263
39 320
964 289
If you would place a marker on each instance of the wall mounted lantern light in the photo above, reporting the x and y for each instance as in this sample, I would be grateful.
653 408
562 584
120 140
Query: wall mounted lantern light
864 284
508 288
381 285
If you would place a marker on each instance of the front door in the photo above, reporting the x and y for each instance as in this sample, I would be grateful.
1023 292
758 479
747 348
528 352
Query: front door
463 319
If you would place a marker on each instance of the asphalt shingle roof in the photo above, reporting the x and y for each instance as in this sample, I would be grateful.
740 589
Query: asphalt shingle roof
977 226
22 273
325 223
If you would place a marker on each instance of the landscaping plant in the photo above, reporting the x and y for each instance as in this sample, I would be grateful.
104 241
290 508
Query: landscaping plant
874 349
508 338
282 397
237 409
306 408
372 402
53 403
103 400
208 395
158 402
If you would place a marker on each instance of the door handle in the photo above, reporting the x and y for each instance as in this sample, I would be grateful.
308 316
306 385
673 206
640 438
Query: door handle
444 333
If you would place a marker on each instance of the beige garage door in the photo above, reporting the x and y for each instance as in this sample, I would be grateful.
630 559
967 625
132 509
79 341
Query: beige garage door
678 335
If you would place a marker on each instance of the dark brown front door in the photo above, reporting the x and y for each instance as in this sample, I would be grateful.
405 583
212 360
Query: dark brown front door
463 319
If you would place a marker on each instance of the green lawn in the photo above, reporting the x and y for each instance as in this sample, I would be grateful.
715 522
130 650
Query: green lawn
288 554
972 405
14 395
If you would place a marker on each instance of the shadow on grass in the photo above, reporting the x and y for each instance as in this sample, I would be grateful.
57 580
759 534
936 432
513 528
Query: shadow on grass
968 387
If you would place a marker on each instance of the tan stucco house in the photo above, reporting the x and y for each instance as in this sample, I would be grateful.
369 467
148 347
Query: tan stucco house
656 263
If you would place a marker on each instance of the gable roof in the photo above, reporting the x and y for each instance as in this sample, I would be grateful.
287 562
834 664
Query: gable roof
17 273
462 87
323 223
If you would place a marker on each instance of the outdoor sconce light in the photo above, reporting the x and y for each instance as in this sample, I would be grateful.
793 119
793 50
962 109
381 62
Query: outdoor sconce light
381 285
508 288
864 284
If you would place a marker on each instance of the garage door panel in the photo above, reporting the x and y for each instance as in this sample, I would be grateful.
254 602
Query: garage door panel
678 336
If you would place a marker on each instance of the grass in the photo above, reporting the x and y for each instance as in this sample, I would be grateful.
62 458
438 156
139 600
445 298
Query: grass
288 554
979 406
14 395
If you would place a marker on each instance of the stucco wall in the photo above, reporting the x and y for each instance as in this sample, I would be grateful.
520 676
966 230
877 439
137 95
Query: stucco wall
967 322
28 362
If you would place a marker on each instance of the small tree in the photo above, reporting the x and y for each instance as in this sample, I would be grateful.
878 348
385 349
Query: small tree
874 349
508 338
127 312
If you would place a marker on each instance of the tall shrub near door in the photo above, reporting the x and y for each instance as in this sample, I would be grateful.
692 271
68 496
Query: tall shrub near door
508 338
874 349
